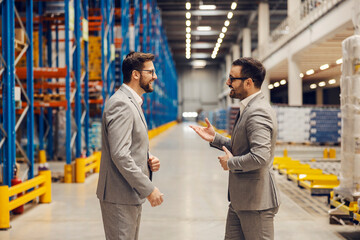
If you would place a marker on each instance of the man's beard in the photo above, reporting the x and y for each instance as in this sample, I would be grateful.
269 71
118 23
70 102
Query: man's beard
145 86
236 95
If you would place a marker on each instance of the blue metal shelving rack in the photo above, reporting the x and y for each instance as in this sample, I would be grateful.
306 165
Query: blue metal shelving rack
160 107
8 124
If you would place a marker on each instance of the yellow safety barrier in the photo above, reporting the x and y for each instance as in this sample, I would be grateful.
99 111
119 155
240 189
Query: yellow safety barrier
292 163
68 175
285 152
41 186
332 153
293 174
278 160
285 170
318 184
84 165
353 207
156 131
42 156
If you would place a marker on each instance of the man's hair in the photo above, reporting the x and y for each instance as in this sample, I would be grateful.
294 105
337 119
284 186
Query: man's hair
251 68
134 61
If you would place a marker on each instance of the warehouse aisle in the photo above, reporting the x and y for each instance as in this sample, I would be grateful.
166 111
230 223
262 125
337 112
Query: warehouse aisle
195 205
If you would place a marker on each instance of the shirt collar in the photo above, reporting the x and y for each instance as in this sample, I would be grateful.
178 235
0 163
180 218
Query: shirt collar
246 101
138 99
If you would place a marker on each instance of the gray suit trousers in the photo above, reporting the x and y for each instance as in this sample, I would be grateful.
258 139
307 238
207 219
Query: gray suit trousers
121 222
250 225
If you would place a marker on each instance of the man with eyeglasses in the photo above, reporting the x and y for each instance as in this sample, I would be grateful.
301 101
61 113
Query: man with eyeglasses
252 192
126 164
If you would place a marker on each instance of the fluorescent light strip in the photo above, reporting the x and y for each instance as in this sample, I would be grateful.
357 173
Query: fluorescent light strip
207 7
309 72
339 61
203 28
322 84
313 86
325 66
188 30
223 30
332 81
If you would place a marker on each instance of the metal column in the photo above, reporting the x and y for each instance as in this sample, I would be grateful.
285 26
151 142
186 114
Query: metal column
30 87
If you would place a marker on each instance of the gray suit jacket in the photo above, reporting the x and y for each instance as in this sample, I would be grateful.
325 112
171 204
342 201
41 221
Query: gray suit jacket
124 172
251 180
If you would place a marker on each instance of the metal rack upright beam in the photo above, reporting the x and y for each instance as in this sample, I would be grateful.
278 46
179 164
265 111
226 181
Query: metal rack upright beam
30 87
86 82
8 84
41 64
67 83
77 71
50 144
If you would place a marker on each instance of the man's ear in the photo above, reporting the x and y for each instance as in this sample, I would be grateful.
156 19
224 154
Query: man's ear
135 75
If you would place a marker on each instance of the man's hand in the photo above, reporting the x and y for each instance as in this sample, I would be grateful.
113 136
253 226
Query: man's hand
154 163
206 133
155 198
224 159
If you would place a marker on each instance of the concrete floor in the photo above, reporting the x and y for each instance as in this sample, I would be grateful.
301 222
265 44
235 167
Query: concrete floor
195 206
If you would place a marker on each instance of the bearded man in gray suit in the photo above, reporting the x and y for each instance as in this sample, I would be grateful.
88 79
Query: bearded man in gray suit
253 194
126 163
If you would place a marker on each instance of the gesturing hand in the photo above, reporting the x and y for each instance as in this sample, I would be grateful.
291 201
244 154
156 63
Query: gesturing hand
206 133
224 159
155 198
154 163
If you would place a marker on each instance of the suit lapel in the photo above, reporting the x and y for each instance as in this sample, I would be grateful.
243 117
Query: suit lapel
129 94
240 115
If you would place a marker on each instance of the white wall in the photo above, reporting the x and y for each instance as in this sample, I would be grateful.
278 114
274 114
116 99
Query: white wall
198 89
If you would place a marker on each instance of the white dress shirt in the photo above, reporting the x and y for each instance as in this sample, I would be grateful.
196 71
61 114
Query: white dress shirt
138 98
246 101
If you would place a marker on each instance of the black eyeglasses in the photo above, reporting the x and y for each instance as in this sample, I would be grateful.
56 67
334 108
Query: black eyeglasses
232 78
152 71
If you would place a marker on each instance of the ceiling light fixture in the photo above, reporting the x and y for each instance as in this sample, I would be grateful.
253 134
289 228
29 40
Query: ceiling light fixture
325 66
322 84
224 30
283 82
277 84
332 81
313 86
301 75
233 6
339 61
207 7
203 28
188 30
271 86
199 63
309 72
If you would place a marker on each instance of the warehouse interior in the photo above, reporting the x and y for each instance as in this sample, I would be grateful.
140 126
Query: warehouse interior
60 62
